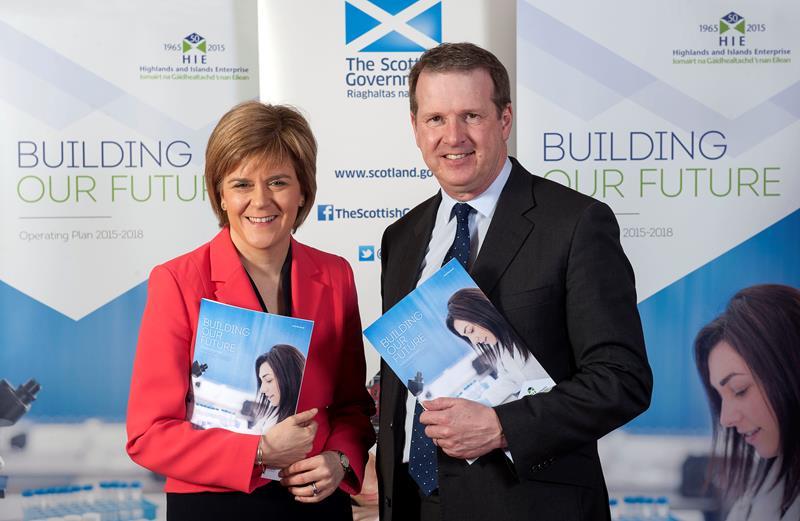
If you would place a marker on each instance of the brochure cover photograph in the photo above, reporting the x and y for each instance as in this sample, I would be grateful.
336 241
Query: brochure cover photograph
247 367
446 338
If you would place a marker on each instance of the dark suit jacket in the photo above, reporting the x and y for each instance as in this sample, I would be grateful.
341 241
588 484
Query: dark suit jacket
218 460
553 265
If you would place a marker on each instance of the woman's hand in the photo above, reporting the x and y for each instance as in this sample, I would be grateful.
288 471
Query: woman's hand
312 480
289 440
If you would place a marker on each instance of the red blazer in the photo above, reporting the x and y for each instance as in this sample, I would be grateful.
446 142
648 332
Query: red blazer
159 436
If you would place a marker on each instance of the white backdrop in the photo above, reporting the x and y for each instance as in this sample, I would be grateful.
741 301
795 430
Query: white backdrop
310 64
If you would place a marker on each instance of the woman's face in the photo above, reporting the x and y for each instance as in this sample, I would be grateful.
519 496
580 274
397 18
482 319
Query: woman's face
744 406
475 333
261 202
269 384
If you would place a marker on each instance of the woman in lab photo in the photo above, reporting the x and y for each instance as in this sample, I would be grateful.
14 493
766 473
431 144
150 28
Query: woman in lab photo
473 319
749 362
279 372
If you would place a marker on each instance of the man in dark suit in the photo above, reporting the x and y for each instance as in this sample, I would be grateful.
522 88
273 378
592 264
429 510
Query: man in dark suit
550 260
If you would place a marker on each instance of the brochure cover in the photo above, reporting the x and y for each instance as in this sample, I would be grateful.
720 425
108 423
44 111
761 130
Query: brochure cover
247 368
446 338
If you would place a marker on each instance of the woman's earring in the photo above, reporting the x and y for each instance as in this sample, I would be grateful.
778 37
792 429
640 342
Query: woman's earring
302 202
222 204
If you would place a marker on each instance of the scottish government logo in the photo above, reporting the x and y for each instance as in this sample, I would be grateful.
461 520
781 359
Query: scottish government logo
377 34
393 25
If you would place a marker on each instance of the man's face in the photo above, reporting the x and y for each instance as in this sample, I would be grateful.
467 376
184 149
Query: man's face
458 131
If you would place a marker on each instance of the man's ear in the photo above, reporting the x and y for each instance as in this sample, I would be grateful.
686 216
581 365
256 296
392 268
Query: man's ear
507 119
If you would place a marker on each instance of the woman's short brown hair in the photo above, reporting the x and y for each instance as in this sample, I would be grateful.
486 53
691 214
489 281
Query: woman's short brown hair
272 133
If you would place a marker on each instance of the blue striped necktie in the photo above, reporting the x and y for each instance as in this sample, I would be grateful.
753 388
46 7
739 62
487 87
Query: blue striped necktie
422 459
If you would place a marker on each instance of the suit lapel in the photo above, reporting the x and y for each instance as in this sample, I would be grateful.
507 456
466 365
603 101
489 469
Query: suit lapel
511 225
233 286
231 283
413 251
308 292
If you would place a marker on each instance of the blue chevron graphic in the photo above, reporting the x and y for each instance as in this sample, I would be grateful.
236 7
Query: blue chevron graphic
84 366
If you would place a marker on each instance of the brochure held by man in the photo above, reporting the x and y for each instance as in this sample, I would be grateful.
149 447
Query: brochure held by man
247 369
446 339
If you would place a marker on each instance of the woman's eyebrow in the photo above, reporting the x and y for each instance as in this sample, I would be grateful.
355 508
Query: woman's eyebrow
725 380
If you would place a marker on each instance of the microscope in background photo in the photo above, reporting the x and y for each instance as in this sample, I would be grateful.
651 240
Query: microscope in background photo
13 406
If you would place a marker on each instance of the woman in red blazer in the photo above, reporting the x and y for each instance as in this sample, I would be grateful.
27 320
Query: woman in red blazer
260 175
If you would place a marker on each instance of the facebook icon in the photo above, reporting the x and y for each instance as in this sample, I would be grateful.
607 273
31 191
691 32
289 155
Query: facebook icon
324 212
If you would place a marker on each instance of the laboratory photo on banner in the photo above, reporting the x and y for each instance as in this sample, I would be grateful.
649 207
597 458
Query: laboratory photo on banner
747 358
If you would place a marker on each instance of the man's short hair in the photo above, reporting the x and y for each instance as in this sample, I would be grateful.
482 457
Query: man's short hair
463 57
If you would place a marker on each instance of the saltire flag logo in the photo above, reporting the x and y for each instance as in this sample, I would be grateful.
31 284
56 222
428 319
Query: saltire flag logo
393 25
731 21
194 41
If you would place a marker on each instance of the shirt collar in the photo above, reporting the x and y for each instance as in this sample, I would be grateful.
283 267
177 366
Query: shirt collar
485 203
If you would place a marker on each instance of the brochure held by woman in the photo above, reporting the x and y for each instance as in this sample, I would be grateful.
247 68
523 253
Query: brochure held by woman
247 369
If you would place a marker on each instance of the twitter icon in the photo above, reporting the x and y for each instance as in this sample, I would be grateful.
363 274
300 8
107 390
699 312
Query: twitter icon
366 253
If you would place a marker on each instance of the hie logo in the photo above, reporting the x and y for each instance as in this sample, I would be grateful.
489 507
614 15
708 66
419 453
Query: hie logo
393 25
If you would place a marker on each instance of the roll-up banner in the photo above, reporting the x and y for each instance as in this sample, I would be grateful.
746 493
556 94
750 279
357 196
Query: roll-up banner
685 121
345 64
106 109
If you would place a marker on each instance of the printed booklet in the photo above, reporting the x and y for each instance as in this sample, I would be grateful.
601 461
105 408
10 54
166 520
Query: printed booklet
446 338
247 369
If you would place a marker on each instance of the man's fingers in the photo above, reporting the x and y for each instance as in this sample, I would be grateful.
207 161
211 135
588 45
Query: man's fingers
434 418
437 432
439 403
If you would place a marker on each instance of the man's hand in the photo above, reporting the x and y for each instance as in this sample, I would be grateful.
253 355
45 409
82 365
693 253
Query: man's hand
462 428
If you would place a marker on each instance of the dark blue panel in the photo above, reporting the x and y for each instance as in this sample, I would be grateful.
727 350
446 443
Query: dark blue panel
84 367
